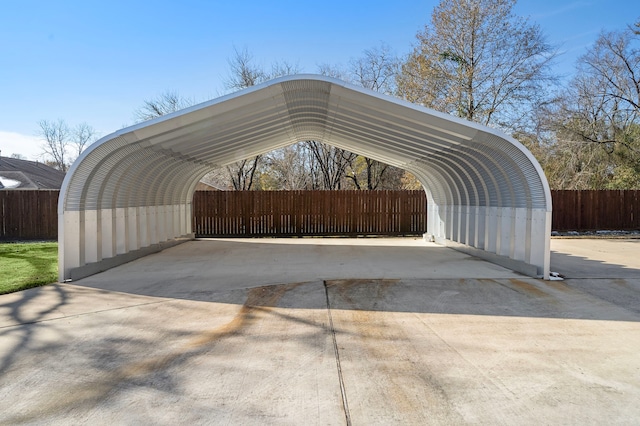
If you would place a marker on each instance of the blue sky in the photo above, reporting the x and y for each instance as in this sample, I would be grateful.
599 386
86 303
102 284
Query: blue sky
97 61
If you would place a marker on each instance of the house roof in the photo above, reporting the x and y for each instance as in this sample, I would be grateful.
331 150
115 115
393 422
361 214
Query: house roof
29 174
205 186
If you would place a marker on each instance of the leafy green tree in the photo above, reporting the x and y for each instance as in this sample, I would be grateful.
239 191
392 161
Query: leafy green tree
479 61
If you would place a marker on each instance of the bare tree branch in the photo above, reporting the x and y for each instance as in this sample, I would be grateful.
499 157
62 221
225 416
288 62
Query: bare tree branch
243 72
166 103
83 135
56 136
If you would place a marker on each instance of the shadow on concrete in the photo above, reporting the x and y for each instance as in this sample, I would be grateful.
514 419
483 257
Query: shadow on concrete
572 266
24 307
615 283
110 354
416 279
148 347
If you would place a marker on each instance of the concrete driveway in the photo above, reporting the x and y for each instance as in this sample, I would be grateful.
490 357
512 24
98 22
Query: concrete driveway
329 331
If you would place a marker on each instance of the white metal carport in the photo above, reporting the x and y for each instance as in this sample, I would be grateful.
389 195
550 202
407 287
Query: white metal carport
130 193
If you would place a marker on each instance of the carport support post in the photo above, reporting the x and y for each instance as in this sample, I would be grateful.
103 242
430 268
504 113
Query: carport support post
68 243
540 242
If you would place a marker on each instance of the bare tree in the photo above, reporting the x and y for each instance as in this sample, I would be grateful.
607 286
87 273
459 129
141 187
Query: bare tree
366 173
290 168
243 72
59 139
283 68
166 103
334 71
243 172
332 163
409 181
479 61
82 136
56 136
596 120
377 69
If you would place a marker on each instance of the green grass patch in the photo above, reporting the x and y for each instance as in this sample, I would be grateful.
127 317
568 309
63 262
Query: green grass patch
26 265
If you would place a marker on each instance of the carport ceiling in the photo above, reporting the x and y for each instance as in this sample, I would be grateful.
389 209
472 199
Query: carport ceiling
264 118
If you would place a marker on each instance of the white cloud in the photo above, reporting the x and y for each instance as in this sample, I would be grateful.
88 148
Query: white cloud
17 143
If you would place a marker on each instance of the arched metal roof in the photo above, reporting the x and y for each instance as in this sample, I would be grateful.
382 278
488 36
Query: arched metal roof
130 193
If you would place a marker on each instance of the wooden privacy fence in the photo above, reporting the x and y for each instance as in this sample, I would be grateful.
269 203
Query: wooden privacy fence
31 214
593 210
297 213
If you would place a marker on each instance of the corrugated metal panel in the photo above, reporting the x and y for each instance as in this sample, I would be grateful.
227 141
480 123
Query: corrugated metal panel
307 103
76 181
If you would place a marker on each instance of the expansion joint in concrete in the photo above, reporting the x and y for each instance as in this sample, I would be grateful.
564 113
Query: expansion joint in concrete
345 404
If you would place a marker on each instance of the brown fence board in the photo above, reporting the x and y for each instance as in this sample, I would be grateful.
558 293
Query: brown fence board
29 215
33 214
308 213
591 210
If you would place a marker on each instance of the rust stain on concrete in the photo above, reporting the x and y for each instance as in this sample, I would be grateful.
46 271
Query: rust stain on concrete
527 287
259 297
345 288
621 282
558 285
397 377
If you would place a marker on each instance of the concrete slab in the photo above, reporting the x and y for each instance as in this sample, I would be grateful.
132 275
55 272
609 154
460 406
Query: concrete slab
608 269
596 257
225 264
484 352
274 332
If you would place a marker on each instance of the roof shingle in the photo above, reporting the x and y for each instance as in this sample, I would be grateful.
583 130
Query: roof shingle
31 174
